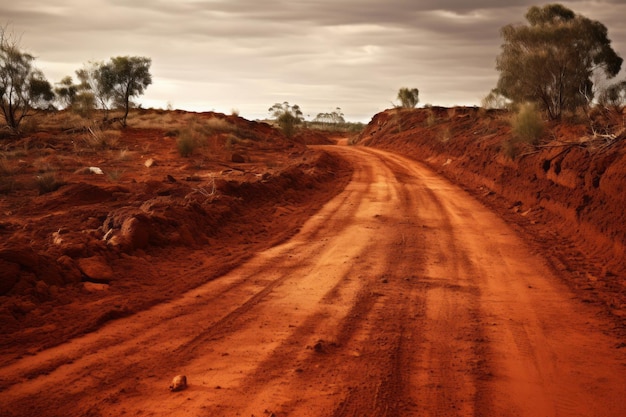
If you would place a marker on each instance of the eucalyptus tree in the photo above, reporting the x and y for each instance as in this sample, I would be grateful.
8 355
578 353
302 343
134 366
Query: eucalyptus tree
23 87
552 59
113 84
126 77
287 116
409 97
66 92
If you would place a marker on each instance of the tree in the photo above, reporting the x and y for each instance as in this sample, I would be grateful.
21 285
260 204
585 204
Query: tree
92 91
614 97
22 87
66 92
125 77
113 84
287 116
332 117
40 91
494 100
551 60
408 97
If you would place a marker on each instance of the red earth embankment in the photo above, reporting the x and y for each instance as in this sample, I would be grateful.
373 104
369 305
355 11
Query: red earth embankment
568 194
151 224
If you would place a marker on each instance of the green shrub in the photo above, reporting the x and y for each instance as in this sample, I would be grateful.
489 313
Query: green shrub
186 143
527 124
287 123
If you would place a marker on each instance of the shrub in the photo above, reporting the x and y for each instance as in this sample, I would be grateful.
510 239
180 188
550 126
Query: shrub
232 140
48 183
527 124
432 118
409 97
115 174
99 139
215 124
185 144
287 117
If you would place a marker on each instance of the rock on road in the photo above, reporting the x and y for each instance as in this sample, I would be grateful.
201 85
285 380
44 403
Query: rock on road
403 296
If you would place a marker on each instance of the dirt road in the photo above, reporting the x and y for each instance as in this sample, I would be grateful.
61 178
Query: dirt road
401 297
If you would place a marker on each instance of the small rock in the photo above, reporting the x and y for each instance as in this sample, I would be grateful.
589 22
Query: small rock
319 346
136 232
150 163
94 287
96 269
179 383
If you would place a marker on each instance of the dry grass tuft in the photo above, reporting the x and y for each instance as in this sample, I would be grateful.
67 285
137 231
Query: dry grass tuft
48 182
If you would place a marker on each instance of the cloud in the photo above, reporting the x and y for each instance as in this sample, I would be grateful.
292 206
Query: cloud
246 54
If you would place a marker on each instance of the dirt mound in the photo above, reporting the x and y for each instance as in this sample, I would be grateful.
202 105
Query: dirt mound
104 245
567 193
314 137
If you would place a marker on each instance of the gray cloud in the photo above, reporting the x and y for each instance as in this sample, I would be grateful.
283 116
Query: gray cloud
246 54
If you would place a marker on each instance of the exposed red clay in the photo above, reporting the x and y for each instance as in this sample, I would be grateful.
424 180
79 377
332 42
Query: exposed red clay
306 280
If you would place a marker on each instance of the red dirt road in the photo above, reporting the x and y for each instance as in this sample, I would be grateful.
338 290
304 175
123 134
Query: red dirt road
403 296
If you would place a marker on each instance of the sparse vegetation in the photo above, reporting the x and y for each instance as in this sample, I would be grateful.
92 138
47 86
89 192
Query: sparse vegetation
431 119
409 97
126 77
186 142
613 98
527 124
115 174
334 117
106 86
48 182
100 139
287 117
552 60
124 155
23 88
233 140
216 124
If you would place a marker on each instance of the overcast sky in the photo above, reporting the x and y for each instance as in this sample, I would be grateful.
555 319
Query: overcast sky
321 54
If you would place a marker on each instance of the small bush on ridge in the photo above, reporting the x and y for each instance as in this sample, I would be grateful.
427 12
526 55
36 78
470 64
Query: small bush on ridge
527 124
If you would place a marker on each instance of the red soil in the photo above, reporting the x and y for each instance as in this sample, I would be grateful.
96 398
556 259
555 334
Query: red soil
372 285
105 246
567 195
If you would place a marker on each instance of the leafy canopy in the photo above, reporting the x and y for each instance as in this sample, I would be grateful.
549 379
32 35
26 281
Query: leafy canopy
409 97
22 87
552 59
111 85
125 77
335 117
287 116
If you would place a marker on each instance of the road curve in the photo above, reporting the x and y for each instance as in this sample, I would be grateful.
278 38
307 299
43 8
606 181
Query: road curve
403 296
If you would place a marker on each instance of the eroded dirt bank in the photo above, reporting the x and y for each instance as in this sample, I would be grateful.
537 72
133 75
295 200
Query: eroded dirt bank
152 226
402 296
567 196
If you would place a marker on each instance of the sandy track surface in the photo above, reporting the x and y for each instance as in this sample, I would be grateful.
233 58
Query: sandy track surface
403 296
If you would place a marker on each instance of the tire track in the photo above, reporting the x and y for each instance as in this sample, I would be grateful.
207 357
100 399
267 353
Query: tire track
402 297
